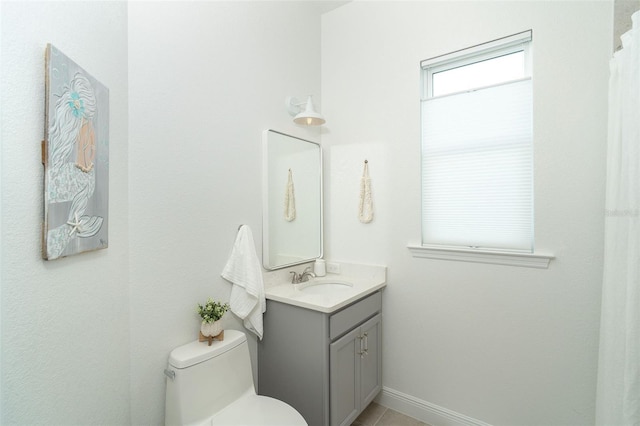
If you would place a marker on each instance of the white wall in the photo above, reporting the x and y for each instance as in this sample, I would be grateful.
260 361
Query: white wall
65 323
206 78
499 344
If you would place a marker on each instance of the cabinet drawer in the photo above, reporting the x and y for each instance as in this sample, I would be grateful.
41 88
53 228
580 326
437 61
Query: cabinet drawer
345 320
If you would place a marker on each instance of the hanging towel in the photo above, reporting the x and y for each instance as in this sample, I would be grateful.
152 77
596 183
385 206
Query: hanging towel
289 200
365 212
243 270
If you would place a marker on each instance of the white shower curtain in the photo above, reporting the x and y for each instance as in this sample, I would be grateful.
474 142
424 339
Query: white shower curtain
618 395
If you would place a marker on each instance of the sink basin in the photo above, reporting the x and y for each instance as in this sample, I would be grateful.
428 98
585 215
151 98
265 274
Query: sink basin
322 286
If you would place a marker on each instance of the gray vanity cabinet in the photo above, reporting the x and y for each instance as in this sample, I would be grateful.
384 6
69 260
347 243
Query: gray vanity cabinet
355 371
327 366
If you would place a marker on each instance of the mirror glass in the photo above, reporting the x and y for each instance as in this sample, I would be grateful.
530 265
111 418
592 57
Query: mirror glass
291 200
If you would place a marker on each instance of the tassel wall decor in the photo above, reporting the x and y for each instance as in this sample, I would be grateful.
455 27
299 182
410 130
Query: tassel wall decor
289 200
365 211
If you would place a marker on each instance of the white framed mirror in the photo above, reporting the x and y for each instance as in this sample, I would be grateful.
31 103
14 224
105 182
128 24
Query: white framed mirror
292 218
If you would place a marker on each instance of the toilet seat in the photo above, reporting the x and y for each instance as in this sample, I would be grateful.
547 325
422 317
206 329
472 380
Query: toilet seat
254 410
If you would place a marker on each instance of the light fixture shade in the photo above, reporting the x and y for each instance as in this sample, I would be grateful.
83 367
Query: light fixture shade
309 117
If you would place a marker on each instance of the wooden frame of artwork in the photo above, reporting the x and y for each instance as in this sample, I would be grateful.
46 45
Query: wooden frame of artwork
75 154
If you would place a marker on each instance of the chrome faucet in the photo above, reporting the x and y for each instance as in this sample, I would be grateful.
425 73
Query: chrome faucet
303 277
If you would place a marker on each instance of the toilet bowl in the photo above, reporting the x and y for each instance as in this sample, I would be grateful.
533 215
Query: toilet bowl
213 385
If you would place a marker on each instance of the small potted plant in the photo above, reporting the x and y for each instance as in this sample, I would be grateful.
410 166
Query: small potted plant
211 313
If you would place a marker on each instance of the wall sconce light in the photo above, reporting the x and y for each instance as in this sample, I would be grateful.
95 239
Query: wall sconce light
307 116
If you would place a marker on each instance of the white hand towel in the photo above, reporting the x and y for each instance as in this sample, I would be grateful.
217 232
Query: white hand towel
244 271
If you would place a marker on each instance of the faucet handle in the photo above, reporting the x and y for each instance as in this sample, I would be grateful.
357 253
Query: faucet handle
304 276
295 279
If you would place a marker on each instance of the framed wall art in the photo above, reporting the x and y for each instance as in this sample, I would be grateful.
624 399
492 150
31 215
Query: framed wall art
75 154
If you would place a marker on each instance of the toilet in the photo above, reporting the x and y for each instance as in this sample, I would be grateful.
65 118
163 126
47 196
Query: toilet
213 385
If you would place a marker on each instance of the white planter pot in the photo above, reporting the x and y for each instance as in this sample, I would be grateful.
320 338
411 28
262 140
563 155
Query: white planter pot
211 329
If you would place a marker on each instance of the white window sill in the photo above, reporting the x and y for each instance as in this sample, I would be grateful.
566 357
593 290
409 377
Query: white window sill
495 257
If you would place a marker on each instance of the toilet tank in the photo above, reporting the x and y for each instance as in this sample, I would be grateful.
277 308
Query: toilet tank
207 378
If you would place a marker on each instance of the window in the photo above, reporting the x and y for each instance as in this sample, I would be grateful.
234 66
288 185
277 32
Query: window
477 148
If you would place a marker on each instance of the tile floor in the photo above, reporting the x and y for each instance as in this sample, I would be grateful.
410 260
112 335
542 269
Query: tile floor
377 415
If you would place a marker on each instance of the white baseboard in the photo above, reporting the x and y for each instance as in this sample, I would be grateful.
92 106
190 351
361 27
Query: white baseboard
424 411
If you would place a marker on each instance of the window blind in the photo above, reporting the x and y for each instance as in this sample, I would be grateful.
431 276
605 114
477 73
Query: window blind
477 171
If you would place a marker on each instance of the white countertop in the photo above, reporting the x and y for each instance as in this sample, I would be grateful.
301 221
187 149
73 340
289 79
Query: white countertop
366 279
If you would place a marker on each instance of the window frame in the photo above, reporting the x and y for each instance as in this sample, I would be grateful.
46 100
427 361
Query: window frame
520 42
478 53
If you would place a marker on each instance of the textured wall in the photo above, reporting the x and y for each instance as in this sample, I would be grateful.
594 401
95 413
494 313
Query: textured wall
206 79
65 323
495 343
504 345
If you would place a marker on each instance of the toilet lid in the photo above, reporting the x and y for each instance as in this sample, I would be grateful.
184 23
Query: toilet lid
253 410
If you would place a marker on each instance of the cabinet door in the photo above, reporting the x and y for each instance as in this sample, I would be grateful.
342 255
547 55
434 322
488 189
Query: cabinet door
371 360
345 378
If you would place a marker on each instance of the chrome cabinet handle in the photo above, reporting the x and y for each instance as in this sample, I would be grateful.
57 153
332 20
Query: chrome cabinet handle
364 345
361 352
